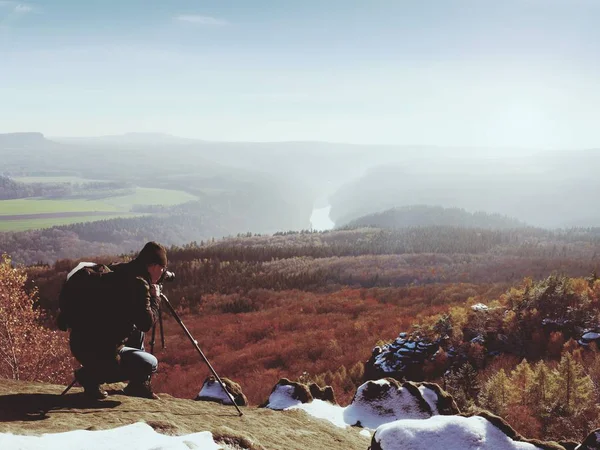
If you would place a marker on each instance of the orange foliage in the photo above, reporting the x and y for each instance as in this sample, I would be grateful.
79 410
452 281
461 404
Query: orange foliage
299 332
28 350
555 344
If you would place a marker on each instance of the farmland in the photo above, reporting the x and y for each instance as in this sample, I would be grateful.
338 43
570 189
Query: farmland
34 213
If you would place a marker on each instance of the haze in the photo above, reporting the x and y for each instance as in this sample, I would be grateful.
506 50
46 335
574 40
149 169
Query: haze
516 73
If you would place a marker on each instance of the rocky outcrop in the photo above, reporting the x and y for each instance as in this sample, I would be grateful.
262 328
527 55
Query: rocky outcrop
387 400
401 359
213 392
322 393
482 431
439 400
287 393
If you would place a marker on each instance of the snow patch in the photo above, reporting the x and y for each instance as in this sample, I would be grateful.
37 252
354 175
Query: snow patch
137 436
391 403
479 307
324 410
281 397
430 397
444 433
213 390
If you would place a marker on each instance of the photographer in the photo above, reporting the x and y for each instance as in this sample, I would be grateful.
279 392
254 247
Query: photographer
115 352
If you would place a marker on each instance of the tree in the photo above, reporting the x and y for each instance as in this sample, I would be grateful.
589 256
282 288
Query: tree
521 380
28 350
574 389
464 385
540 389
495 394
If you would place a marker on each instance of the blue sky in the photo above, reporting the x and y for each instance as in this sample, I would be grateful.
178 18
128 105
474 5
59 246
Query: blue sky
519 73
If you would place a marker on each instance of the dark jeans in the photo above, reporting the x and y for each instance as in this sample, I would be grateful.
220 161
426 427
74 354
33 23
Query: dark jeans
133 364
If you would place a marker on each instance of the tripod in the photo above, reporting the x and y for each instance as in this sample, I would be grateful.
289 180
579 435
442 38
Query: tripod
166 301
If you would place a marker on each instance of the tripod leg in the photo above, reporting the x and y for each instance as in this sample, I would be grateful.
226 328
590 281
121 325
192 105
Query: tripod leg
195 343
153 339
162 331
69 386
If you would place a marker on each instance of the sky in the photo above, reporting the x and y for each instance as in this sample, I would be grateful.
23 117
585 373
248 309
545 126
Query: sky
511 73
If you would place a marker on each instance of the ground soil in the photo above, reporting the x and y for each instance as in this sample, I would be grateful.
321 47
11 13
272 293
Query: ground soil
38 408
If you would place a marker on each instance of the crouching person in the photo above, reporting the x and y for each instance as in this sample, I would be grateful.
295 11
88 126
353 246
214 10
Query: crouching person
113 351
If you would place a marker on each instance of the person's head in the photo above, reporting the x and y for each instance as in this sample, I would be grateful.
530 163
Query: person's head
154 257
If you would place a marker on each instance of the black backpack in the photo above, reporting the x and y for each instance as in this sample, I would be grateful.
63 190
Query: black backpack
84 297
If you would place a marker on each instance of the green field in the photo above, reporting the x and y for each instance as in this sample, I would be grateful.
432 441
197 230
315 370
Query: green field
52 212
33 224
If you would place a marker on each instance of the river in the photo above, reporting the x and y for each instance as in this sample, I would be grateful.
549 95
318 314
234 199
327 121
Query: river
320 220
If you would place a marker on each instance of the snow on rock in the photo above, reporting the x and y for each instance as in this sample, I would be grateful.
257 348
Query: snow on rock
479 307
213 391
402 359
430 397
588 337
365 433
444 433
286 394
386 400
137 436
322 393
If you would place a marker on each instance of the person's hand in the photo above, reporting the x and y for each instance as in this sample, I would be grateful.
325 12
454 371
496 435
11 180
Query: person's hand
155 290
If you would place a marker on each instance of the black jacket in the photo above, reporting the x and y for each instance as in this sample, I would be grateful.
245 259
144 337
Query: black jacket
131 306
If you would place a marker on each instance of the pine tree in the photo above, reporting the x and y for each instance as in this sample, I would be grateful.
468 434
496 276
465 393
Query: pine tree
541 388
495 394
464 385
521 380
573 389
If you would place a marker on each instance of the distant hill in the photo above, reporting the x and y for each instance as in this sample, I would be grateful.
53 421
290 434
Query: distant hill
552 189
422 215
20 140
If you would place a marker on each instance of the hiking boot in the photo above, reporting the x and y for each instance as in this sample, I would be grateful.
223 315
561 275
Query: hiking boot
91 389
94 392
140 389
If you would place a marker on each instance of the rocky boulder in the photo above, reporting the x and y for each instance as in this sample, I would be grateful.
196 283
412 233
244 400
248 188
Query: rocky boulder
213 392
401 359
483 431
322 393
288 393
387 400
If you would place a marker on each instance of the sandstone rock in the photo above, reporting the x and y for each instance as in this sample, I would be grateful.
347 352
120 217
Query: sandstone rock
386 400
288 393
213 392
454 432
322 393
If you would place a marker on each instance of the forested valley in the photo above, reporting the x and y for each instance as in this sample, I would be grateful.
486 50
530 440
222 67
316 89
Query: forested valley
314 305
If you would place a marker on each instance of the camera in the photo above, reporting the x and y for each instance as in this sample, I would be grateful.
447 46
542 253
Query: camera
166 276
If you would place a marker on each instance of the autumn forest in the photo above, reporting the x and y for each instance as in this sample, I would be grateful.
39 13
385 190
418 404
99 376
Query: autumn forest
313 305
